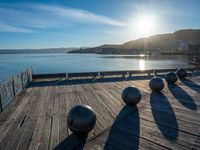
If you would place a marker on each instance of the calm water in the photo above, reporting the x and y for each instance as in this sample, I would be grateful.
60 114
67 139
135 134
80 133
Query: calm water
54 63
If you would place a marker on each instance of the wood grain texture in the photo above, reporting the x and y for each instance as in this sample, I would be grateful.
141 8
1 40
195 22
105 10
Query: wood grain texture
37 118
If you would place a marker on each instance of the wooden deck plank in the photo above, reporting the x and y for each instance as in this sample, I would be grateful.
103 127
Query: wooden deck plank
36 138
32 122
37 119
8 117
63 133
16 124
56 121
46 131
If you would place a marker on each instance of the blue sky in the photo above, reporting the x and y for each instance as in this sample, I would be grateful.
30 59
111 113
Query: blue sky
85 23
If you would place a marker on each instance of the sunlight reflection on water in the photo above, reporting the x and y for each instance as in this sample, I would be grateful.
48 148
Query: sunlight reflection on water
142 64
61 62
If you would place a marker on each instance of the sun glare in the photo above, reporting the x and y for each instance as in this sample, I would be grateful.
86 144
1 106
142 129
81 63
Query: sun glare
145 25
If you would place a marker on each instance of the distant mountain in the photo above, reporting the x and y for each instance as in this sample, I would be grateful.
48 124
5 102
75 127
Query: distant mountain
176 42
45 50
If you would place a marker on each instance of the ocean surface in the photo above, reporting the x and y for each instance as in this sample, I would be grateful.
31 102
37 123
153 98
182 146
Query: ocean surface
63 62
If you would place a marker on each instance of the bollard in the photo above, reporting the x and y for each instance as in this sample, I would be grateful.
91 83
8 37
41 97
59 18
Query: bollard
181 73
171 77
81 119
156 84
131 95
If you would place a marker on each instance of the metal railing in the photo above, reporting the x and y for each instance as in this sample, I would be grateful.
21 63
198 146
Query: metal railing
13 86
106 73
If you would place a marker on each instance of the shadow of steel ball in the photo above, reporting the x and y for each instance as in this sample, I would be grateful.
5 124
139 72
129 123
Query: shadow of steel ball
81 119
131 95
156 84
171 77
181 73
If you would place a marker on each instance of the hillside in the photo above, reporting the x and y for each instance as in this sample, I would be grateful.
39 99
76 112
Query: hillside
176 42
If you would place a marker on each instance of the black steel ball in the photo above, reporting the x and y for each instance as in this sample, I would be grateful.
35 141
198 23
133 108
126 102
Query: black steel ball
181 73
156 84
81 119
171 77
131 95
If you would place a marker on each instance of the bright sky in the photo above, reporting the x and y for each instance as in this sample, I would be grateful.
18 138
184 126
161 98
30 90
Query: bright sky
85 23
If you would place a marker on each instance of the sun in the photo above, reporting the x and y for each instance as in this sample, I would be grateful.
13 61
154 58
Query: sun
145 25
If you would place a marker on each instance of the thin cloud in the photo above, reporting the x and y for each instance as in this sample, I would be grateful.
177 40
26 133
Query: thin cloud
79 15
22 17
9 28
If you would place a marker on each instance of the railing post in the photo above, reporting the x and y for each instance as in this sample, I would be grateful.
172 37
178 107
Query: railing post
13 86
130 74
123 75
27 77
21 80
1 107
196 62
31 73
154 73
127 74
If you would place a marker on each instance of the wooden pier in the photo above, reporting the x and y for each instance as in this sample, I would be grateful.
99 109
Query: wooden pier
37 118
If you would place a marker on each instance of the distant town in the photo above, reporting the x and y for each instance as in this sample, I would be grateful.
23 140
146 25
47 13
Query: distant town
180 42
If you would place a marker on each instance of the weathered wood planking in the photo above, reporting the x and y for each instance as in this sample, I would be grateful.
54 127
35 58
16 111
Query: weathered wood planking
7 92
18 83
25 78
30 74
13 86
37 119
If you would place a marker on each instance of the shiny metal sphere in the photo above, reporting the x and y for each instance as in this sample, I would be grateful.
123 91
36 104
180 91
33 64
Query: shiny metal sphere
131 95
171 77
181 73
156 84
81 119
